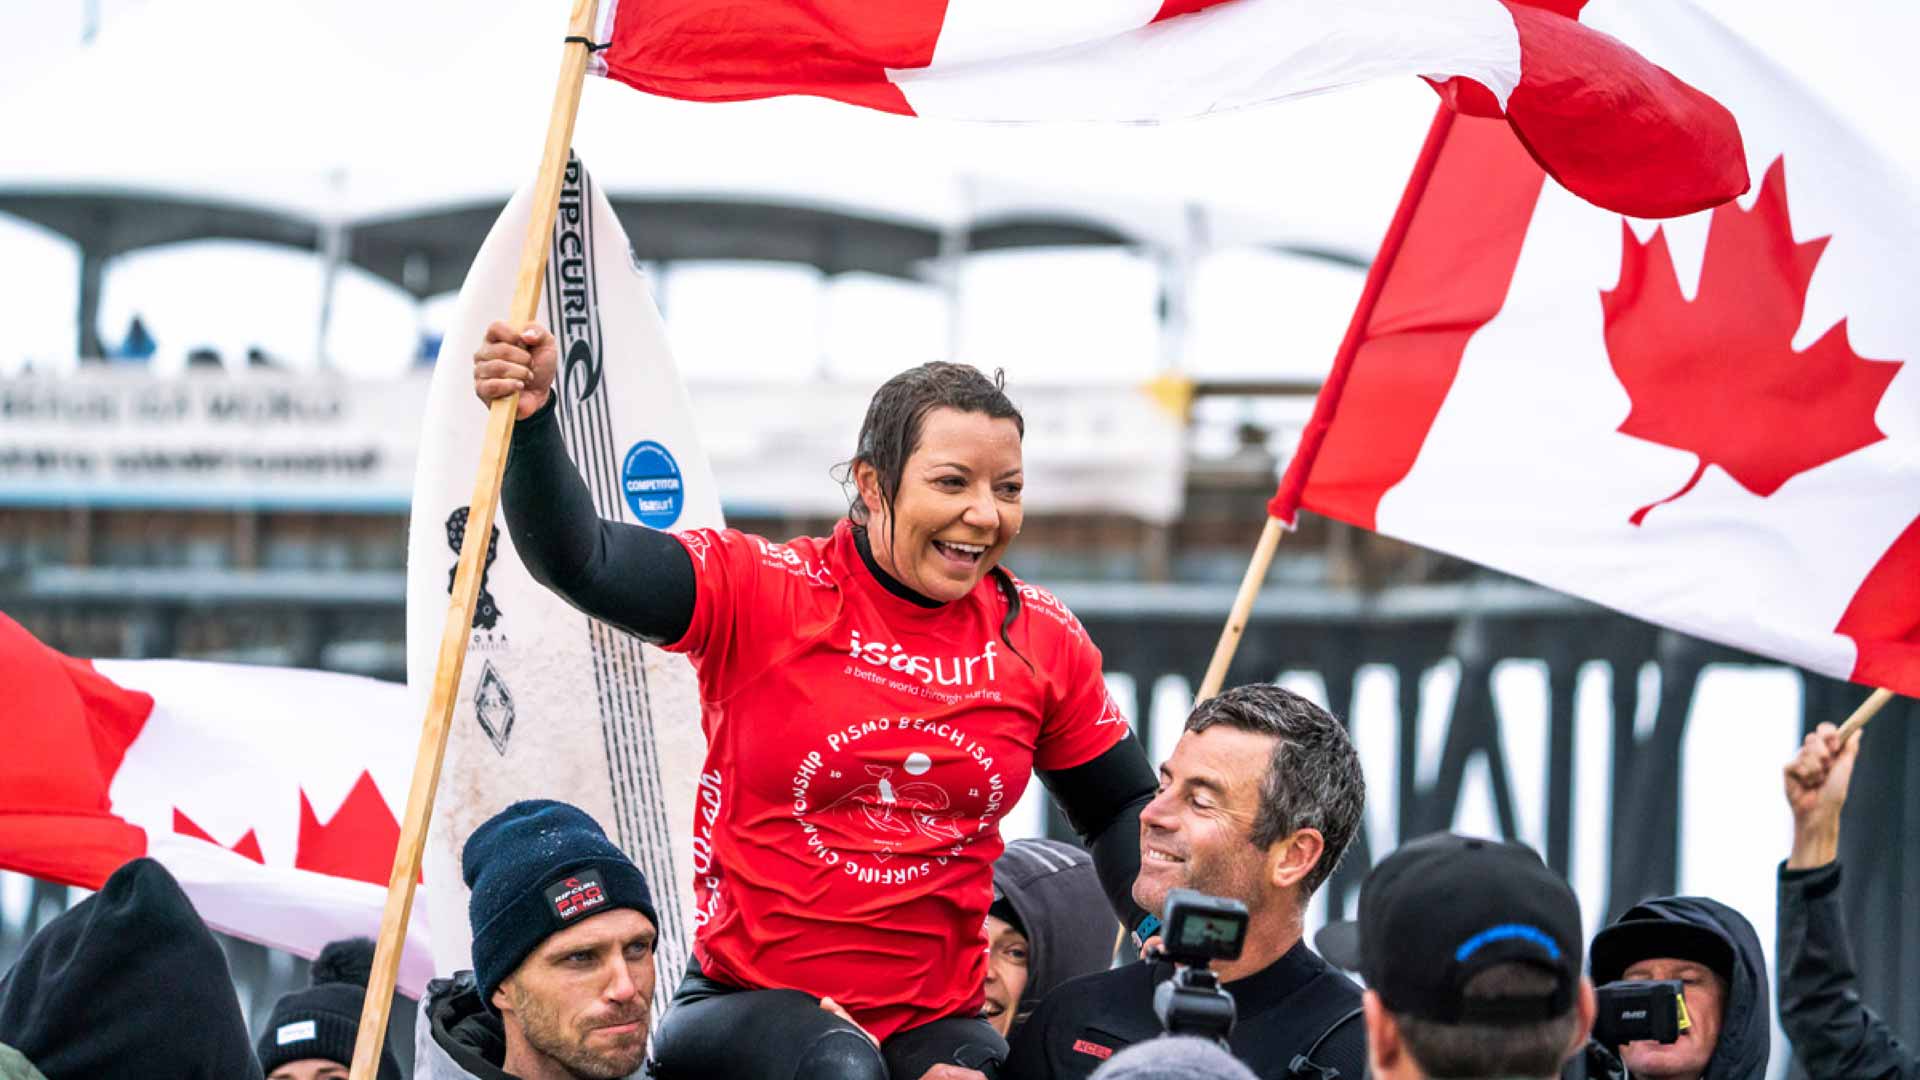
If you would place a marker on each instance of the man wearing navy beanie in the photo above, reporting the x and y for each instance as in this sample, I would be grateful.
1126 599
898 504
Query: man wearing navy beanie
563 934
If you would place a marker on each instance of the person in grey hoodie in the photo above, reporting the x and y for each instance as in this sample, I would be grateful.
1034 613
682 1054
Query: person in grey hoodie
1176 1057
1048 924
1712 950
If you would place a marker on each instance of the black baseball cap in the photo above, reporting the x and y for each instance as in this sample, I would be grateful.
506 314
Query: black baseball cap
1444 908
1644 932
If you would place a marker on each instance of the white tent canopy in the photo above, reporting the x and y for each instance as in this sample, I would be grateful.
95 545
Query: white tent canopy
350 110
353 113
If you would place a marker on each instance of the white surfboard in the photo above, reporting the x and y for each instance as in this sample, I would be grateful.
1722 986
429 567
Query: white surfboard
553 704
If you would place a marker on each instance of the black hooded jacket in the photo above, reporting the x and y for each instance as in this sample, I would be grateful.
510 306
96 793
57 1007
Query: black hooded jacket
1745 1028
129 983
1070 930
457 1038
1834 1036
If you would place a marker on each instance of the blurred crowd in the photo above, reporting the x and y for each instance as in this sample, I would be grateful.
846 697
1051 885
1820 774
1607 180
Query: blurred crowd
1469 956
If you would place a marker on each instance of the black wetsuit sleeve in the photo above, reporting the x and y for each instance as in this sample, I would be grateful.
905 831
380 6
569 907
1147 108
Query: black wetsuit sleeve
1102 800
635 578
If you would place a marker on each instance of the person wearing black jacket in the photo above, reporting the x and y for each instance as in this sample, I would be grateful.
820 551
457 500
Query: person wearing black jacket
1471 951
1834 1035
127 985
563 962
1257 803
1712 950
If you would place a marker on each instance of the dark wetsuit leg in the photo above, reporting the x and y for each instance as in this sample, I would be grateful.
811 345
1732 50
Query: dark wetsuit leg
969 1042
715 1030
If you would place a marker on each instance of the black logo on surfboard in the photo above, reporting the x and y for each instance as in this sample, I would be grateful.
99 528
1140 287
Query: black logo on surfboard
493 707
570 282
486 613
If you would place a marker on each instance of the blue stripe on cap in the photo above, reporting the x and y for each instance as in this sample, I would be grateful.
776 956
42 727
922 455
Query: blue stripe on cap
1506 932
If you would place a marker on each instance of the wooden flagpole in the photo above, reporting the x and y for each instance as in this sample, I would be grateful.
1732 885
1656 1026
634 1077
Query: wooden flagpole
1874 703
1284 507
473 547
1242 610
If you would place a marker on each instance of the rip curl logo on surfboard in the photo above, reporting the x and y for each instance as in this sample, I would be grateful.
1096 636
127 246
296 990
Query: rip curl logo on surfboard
571 283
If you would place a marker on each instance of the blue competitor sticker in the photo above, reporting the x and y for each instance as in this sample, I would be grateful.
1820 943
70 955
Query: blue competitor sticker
650 478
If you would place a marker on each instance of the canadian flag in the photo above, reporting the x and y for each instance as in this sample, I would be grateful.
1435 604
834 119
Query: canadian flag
1598 116
1712 423
261 789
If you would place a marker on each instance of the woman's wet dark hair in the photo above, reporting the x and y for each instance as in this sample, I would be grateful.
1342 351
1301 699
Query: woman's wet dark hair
899 411
891 431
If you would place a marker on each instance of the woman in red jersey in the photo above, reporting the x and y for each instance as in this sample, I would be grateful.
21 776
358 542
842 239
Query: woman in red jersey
873 701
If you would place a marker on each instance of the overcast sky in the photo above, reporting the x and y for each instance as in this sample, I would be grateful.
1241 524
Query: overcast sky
1324 170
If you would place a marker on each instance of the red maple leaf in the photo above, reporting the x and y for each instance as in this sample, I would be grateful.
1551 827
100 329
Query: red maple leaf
1717 375
357 843
247 846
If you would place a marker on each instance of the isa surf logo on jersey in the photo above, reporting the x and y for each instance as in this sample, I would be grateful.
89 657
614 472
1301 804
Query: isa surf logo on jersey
650 479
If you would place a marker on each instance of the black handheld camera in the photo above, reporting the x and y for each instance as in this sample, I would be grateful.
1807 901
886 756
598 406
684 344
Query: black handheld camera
1638 1011
1197 929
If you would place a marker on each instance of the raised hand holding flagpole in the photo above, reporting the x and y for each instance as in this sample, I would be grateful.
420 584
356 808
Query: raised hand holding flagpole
1874 703
467 577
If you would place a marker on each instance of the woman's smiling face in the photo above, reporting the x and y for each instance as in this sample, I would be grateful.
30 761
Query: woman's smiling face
958 506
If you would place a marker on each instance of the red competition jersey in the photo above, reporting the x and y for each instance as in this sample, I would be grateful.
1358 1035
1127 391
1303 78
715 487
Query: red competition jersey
861 751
